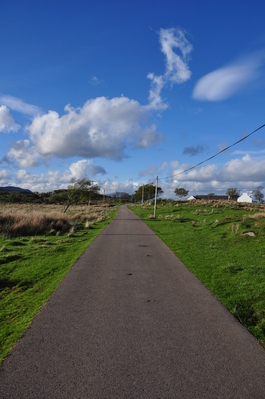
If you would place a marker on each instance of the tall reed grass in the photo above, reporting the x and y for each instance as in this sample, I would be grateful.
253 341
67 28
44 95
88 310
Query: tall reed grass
27 220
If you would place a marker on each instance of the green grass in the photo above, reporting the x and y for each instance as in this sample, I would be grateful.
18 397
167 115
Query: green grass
30 270
213 242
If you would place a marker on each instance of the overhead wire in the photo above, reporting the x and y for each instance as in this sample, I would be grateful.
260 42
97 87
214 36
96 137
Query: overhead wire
161 178
215 155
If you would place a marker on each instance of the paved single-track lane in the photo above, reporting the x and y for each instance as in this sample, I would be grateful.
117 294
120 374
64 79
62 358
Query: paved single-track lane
130 321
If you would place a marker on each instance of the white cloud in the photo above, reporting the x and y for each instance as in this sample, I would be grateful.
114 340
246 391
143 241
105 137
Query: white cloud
21 175
16 104
23 154
174 164
7 123
111 187
101 128
225 82
245 169
202 174
53 180
177 70
155 101
245 174
85 168
4 177
95 81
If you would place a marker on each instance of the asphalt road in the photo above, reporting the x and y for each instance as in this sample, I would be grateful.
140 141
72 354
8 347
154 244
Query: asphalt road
130 321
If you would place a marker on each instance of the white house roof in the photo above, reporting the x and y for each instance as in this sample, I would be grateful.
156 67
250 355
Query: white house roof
244 198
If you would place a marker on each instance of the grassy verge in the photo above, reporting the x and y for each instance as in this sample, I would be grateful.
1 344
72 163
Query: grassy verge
32 266
223 245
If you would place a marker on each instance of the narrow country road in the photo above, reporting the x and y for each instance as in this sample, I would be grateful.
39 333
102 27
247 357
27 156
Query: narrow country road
130 321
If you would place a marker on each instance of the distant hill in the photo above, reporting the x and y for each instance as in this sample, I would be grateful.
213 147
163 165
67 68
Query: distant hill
15 189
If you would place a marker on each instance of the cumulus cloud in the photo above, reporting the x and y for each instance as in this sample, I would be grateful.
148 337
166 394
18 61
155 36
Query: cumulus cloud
53 180
7 123
16 104
43 182
21 175
84 168
101 128
225 82
152 170
110 186
245 173
202 174
245 169
23 154
4 177
192 150
177 70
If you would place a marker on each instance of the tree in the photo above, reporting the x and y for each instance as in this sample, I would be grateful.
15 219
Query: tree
149 192
80 190
181 192
58 196
258 194
125 197
232 193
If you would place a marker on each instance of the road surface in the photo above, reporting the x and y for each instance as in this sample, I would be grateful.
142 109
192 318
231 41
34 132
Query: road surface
130 321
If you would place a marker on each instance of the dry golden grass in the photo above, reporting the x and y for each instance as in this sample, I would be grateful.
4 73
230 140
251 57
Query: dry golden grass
258 216
24 219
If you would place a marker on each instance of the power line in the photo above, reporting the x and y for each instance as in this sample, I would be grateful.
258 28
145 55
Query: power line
215 155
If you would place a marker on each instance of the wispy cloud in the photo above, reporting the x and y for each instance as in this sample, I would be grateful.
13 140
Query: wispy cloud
193 150
225 82
259 142
16 104
7 123
177 70
152 170
95 81
222 146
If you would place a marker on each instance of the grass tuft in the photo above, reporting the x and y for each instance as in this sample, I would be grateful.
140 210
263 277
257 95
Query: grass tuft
225 251
33 260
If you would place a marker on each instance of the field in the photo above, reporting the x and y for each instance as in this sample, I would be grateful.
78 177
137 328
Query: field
38 246
223 244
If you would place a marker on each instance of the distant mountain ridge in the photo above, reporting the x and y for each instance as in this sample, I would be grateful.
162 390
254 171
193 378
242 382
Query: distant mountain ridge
13 189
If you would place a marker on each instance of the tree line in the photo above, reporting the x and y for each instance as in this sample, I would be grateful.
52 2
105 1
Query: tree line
233 193
84 191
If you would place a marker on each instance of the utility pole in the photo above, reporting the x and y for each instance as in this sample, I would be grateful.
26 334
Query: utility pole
155 196
104 196
143 195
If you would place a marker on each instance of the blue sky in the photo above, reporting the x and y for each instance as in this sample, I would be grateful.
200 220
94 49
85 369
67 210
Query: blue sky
120 92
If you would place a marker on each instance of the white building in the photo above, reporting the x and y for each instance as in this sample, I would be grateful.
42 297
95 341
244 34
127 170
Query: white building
244 198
